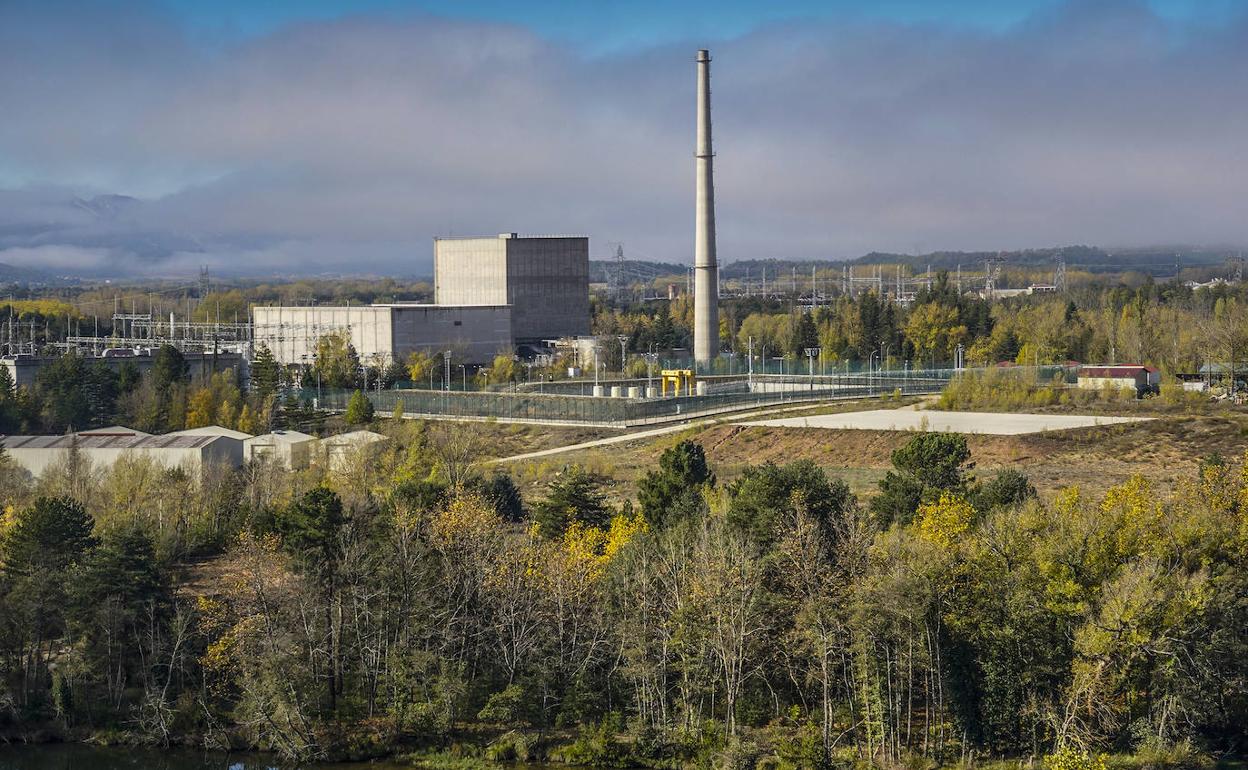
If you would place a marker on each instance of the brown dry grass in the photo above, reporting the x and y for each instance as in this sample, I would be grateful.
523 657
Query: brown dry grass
1162 450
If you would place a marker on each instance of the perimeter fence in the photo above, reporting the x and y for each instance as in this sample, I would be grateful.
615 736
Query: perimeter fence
725 394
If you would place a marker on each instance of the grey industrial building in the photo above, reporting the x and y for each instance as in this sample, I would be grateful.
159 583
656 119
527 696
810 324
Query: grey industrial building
545 280
382 333
490 294
107 446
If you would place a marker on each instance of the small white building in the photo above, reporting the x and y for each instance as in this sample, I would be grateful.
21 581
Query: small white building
191 453
1137 377
289 448
236 437
337 449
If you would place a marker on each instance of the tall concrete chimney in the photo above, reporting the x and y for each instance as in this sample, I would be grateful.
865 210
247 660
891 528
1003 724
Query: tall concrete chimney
706 269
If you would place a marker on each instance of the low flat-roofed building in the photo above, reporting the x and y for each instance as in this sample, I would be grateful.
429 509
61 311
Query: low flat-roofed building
386 332
1137 376
237 437
191 453
288 448
338 449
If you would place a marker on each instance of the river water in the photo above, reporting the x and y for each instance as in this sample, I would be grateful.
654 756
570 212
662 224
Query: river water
78 757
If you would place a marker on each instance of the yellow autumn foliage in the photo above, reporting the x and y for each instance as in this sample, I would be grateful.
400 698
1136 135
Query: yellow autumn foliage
944 521
593 547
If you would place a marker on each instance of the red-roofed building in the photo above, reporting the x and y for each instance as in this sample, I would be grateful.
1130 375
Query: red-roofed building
1143 379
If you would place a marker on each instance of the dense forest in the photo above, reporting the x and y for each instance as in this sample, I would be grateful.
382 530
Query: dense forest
407 602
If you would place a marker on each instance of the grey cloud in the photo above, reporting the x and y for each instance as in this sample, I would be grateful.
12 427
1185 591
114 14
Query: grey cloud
349 144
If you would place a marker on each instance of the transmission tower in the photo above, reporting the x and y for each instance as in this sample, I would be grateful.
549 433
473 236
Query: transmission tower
203 281
992 274
616 281
1059 276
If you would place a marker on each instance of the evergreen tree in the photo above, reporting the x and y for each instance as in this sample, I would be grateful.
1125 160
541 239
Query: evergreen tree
169 368
359 409
805 335
675 487
926 465
10 418
62 389
767 496
265 373
574 496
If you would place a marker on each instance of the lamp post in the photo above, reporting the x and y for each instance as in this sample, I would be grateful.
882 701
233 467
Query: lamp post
652 358
749 377
810 355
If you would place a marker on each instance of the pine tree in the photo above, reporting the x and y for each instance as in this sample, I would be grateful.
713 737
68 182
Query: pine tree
359 409
265 373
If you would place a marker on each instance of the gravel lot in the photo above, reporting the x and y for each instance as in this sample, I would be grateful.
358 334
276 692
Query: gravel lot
988 423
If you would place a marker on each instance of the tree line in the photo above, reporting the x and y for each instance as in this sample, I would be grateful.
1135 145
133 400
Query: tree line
1167 325
407 601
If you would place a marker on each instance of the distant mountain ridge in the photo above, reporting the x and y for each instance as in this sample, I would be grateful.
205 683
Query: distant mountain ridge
1156 260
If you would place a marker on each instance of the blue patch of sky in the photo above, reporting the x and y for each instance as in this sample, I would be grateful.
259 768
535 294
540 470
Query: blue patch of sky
606 25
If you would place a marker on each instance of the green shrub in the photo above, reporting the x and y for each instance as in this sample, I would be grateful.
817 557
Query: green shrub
512 746
359 409
596 746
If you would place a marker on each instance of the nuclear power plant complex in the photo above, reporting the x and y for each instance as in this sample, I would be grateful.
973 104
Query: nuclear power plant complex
524 298
491 295
500 294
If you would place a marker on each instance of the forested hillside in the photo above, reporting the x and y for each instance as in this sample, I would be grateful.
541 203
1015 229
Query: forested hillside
411 602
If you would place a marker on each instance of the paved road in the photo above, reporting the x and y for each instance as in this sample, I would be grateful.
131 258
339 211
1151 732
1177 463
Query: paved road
647 434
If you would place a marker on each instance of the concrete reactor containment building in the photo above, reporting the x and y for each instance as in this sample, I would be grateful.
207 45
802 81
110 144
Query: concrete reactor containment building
545 280
490 294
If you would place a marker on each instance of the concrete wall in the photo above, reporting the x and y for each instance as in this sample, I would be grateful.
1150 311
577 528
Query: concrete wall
1097 383
474 334
545 280
381 333
470 271
292 332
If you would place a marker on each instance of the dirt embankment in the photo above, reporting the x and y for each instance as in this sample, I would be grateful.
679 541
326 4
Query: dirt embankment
1163 450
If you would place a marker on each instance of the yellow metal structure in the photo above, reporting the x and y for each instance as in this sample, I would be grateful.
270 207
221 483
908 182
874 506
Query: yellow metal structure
679 379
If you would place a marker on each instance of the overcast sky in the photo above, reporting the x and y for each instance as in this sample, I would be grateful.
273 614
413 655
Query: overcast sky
333 136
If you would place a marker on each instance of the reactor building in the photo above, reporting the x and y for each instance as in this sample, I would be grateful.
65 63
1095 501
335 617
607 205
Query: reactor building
490 295
544 280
